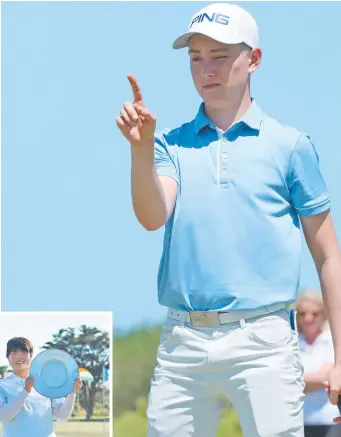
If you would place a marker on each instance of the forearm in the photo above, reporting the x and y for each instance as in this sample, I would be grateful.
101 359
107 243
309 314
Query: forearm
63 414
313 381
9 411
330 279
149 201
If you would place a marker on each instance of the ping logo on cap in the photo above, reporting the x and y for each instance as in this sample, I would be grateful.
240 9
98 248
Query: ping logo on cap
215 18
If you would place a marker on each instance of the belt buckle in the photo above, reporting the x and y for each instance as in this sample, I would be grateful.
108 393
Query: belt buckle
204 319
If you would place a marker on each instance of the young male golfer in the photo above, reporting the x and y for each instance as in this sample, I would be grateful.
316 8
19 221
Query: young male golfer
233 187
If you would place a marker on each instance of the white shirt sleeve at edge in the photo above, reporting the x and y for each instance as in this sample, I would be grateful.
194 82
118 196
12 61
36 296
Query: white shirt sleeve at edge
63 412
9 411
330 347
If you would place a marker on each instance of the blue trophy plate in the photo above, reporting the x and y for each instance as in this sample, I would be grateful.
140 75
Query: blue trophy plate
55 372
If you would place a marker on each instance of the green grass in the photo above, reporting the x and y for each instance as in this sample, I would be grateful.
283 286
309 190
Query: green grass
80 429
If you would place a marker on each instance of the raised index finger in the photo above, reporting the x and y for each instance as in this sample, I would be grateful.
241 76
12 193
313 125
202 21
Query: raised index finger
137 94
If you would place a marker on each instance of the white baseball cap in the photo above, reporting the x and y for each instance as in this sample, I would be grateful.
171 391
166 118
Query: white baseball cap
223 22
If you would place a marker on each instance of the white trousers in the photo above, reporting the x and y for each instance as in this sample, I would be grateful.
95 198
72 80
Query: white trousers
256 368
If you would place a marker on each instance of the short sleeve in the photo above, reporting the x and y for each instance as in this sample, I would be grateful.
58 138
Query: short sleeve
306 184
329 350
164 162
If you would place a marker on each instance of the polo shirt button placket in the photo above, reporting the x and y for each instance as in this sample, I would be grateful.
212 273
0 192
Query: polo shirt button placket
224 164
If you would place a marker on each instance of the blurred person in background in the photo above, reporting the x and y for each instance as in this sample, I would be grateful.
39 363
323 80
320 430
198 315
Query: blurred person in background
317 355
23 411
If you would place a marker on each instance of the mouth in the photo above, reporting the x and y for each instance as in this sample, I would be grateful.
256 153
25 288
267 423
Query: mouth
211 86
19 362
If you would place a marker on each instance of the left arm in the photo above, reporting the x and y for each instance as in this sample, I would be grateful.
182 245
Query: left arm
322 242
62 411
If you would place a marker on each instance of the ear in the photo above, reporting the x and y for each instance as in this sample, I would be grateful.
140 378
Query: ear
255 58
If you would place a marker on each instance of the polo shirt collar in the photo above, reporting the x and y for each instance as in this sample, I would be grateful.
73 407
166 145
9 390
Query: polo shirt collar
14 380
323 338
201 120
252 118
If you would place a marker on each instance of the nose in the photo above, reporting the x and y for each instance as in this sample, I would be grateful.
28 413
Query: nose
207 69
309 318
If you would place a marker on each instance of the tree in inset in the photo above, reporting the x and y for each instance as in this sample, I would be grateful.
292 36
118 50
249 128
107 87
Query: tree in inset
90 348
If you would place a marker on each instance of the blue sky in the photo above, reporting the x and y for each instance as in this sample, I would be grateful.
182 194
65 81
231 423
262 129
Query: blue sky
70 240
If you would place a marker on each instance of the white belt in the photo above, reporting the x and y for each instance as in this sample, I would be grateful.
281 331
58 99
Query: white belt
213 319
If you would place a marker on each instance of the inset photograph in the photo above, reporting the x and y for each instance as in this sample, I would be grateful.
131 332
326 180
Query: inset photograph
55 374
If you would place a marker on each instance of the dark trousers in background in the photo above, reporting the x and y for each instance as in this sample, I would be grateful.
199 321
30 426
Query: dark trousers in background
322 431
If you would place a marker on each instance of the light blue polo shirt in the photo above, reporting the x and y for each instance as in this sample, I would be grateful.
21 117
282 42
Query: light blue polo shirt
233 241
33 415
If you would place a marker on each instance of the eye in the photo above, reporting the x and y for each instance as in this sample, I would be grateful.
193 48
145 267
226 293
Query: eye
195 59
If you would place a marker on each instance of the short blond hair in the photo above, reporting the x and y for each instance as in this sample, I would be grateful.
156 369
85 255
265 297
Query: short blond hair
315 296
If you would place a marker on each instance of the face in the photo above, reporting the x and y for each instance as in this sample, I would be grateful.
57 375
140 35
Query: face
310 318
20 361
221 71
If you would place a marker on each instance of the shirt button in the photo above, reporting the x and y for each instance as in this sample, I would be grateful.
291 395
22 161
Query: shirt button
224 171
224 155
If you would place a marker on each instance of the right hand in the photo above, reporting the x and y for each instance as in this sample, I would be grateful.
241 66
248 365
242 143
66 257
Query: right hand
29 383
135 121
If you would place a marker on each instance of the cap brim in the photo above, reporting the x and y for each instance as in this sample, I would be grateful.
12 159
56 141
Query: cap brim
182 41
